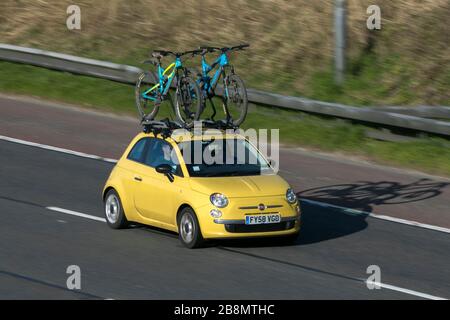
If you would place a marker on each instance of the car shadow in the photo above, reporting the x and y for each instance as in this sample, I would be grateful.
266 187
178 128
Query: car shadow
317 224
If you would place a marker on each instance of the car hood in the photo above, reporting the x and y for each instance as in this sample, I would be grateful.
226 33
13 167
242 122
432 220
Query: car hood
240 187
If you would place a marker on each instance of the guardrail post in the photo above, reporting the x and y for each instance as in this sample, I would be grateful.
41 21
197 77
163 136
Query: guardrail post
339 36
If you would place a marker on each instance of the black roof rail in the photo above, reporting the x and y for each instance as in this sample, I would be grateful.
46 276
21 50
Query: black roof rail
165 127
218 124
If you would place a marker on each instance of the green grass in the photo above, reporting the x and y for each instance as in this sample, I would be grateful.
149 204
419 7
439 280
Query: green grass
365 83
296 128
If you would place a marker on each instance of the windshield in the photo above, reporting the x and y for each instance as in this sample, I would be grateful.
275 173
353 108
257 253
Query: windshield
223 158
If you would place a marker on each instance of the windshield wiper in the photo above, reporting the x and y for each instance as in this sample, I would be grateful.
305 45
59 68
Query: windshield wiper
212 174
243 173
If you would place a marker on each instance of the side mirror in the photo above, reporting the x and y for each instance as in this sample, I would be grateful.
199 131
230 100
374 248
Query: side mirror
166 170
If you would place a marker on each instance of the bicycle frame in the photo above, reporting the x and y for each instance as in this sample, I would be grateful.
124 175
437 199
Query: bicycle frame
165 81
220 62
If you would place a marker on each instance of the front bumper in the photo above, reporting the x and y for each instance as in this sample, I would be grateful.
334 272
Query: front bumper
232 223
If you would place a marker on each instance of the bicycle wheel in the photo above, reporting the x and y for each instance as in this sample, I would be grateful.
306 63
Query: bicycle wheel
188 101
147 95
235 99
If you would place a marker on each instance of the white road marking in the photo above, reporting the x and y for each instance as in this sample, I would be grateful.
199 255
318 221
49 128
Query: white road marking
407 291
322 204
75 213
57 149
382 285
377 216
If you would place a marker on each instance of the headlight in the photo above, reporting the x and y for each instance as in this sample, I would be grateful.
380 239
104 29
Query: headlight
291 197
219 200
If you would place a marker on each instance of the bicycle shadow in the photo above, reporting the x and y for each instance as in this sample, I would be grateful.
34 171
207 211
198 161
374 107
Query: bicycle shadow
365 195
321 223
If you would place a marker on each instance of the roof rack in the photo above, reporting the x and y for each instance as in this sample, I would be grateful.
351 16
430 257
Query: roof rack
218 124
165 127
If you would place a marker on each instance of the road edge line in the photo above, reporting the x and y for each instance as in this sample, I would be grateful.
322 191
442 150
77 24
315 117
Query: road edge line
76 213
57 149
379 216
406 291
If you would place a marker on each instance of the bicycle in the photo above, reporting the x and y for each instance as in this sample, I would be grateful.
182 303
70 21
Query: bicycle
234 95
149 97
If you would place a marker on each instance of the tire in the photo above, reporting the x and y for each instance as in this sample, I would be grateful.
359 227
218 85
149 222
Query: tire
237 101
189 231
188 105
147 109
114 214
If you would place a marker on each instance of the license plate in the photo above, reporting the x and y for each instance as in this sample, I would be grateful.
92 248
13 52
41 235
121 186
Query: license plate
262 219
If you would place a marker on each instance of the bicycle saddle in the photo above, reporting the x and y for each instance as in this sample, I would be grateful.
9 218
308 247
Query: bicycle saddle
206 49
153 60
161 53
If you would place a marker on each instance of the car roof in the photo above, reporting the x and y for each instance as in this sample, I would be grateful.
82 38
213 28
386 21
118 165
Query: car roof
181 135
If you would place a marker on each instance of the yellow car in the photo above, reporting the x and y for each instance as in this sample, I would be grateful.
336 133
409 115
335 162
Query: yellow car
167 183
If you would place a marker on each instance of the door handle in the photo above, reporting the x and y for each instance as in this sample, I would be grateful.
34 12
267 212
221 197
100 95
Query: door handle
137 178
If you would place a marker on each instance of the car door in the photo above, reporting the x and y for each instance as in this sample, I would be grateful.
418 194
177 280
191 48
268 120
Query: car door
156 197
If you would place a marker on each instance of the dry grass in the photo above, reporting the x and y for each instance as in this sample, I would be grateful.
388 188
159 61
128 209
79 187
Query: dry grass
291 40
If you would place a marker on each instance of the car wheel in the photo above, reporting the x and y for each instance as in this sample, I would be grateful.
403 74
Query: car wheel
114 214
189 229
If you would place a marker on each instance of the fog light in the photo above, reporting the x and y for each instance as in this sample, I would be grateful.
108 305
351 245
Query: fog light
215 213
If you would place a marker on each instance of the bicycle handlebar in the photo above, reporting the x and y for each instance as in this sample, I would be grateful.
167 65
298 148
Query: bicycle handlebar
163 53
201 50
224 49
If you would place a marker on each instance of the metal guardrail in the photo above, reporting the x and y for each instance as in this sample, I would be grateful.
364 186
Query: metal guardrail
128 74
69 63
440 112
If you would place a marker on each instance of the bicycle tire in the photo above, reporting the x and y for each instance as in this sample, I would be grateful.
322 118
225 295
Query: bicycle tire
140 101
243 105
187 109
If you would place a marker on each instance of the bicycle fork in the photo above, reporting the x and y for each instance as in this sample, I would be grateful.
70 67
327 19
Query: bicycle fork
225 97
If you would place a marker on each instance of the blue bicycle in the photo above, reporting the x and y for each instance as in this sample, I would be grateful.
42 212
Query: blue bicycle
234 93
151 90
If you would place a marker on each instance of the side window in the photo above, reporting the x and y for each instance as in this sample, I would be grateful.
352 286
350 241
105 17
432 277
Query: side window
162 152
137 152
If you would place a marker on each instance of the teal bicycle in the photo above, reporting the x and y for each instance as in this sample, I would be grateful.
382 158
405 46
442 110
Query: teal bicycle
234 93
153 88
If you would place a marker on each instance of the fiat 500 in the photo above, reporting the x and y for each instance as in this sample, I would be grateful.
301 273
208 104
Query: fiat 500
201 187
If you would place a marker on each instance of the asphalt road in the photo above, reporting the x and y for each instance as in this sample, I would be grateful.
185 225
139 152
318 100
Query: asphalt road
329 260
340 181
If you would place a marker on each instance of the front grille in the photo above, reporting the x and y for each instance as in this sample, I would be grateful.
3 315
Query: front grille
270 206
243 228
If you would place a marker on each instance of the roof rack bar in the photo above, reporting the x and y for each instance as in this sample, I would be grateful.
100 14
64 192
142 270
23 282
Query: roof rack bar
218 124
165 127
